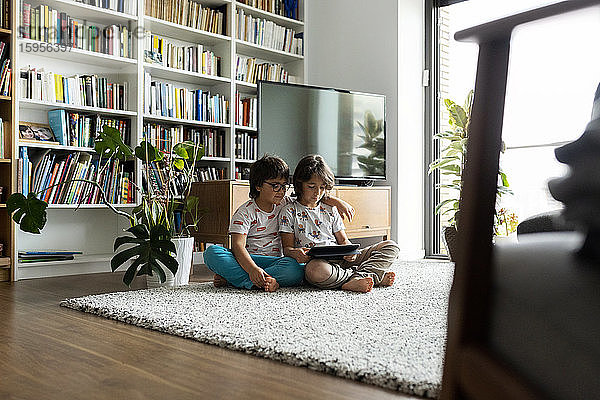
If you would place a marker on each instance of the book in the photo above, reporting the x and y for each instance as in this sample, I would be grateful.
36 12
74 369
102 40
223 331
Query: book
334 251
58 123
48 252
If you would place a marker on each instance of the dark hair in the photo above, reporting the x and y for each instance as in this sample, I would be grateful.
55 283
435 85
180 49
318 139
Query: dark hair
311 165
267 167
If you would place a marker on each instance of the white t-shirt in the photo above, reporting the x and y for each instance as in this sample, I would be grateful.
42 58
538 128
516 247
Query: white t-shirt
311 226
261 227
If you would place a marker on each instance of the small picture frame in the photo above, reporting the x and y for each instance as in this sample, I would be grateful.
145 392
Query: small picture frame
33 131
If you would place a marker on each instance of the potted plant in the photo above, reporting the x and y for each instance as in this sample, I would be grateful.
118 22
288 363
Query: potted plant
374 163
153 232
505 225
451 163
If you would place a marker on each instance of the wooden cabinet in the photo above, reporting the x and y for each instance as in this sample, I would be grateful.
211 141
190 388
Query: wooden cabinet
222 198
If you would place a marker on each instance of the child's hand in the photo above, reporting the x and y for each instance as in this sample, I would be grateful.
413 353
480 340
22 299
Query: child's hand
257 276
300 254
350 257
346 210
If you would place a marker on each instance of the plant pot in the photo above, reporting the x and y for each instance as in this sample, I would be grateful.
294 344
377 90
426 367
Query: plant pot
451 241
512 238
184 249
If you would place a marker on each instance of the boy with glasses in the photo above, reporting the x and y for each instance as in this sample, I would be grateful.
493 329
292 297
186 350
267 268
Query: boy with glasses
255 258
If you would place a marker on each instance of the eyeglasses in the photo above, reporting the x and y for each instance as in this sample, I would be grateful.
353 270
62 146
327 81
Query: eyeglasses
278 186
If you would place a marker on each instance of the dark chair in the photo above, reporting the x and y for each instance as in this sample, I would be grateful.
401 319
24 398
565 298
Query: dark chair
502 298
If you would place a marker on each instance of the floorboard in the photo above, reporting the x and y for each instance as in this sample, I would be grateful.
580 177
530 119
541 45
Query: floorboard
50 352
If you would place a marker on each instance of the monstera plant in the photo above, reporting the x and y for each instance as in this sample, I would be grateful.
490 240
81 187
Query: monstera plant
374 163
149 244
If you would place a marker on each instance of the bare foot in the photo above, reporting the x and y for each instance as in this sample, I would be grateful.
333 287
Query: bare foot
388 279
362 285
271 284
219 281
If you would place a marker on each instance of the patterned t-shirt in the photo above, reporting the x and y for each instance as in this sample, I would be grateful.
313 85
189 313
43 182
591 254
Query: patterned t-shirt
311 226
260 227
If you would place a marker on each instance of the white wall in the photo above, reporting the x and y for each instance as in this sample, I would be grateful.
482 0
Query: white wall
377 47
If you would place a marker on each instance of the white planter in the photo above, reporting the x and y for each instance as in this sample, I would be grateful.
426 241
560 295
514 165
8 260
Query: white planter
184 248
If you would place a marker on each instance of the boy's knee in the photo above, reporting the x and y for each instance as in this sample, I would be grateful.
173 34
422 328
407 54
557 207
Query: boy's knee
317 271
211 255
391 246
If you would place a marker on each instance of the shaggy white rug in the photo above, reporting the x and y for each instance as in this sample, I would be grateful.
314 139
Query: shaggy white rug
391 337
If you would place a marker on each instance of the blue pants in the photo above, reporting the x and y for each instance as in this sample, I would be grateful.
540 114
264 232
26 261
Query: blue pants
285 270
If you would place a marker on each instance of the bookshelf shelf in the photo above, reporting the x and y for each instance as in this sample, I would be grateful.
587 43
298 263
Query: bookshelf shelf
5 31
244 161
246 87
46 105
254 50
77 55
224 159
158 71
5 98
52 145
182 32
245 128
287 22
181 121
88 206
5 160
91 13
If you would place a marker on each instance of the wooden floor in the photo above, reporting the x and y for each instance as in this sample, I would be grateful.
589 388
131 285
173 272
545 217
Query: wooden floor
51 352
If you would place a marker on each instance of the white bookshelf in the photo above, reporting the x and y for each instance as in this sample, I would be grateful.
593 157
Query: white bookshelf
92 228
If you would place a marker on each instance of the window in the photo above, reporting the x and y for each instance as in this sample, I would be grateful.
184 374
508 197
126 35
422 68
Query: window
553 74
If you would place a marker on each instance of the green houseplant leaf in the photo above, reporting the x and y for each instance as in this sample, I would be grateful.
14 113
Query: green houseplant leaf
110 144
150 250
29 212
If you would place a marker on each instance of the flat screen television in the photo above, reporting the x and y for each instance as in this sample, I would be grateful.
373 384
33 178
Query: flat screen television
347 128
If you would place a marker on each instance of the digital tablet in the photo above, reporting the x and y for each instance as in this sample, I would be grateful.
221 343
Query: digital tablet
335 251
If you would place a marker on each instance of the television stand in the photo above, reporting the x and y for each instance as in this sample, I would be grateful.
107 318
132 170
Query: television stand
355 182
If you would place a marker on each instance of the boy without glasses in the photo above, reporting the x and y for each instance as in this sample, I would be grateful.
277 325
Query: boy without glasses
255 258
307 222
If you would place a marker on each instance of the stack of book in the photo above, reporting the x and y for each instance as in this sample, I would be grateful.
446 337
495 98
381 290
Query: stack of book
246 146
124 6
284 8
77 90
80 130
2 133
163 137
211 173
46 255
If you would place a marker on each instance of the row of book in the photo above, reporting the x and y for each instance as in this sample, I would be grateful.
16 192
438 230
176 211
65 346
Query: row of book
77 90
245 112
188 13
163 137
4 131
5 14
211 174
267 33
80 130
248 69
52 26
167 100
284 8
246 146
162 51
242 172
5 70
158 180
124 6
43 176
212 140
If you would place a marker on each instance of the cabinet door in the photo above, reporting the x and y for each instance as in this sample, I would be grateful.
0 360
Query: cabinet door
372 207
239 196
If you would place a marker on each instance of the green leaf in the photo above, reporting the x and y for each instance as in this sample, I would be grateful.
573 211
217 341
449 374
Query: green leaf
110 144
146 152
178 163
29 212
